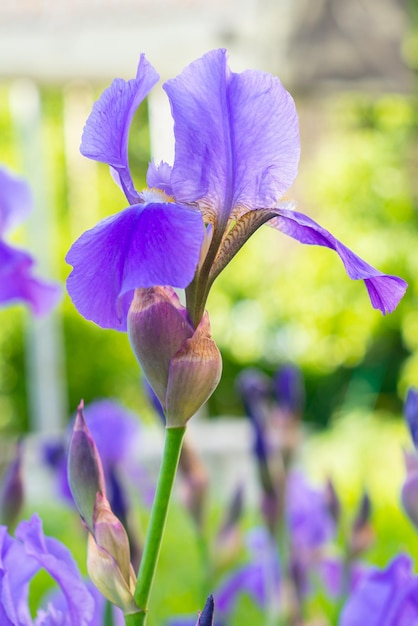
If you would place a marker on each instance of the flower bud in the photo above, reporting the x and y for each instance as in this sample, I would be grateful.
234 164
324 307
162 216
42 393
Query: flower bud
411 413
409 492
289 390
108 558
362 535
182 364
11 490
85 471
207 616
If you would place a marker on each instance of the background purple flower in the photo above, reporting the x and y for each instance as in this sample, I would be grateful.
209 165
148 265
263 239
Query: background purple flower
17 282
384 598
308 516
20 559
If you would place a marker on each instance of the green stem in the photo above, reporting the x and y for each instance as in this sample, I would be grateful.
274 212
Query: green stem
156 526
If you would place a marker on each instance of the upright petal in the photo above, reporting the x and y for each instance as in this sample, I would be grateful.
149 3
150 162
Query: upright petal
385 291
105 135
159 176
237 140
15 200
143 246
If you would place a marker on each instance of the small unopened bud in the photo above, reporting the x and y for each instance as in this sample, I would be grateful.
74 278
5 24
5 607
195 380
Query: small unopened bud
207 616
409 492
228 541
108 558
254 388
85 471
182 364
332 501
411 413
409 498
11 490
289 390
362 535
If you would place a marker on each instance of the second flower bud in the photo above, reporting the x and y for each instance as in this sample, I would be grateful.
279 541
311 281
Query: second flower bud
182 364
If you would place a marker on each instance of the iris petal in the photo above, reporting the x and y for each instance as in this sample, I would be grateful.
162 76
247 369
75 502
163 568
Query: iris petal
17 283
385 291
237 140
143 246
105 135
15 200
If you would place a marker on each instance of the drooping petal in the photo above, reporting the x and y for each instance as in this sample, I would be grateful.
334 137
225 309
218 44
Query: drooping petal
143 246
105 135
17 283
237 140
56 559
385 291
15 200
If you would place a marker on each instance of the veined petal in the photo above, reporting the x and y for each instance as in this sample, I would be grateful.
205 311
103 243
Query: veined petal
15 200
105 135
143 246
237 139
385 291
17 284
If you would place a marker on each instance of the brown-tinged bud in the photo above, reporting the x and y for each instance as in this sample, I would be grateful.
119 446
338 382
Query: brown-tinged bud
195 482
108 558
84 469
362 534
182 364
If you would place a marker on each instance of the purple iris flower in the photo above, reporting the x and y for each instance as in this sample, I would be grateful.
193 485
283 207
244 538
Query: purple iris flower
236 155
20 559
384 598
17 282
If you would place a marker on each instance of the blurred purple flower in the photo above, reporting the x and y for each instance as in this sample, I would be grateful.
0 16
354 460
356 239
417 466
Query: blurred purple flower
409 492
57 599
12 490
309 519
339 578
411 413
20 559
254 388
117 435
17 283
384 598
288 385
259 578
236 154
